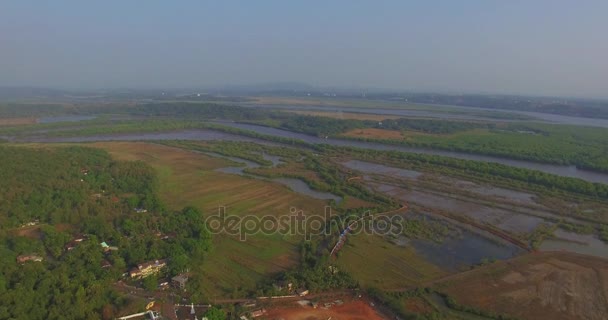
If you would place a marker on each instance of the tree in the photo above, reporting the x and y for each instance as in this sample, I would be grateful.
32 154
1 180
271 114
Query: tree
215 314
150 283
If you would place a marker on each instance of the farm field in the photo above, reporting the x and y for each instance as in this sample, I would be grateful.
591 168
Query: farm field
553 285
375 262
188 178
354 103
373 133
344 115
17 121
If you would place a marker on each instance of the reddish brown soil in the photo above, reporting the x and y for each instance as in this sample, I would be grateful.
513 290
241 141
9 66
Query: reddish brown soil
372 133
32 232
17 121
355 310
554 285
418 305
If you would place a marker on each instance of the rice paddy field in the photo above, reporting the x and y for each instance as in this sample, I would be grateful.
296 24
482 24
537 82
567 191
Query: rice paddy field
376 262
188 179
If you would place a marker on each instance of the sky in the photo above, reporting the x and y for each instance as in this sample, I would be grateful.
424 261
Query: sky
540 47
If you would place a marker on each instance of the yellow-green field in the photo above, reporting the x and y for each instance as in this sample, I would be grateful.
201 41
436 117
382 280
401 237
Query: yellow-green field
188 178
375 262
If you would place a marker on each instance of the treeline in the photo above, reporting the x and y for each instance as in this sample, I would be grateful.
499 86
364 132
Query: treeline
557 144
583 147
431 126
67 185
26 110
486 170
396 302
180 110
321 126
314 272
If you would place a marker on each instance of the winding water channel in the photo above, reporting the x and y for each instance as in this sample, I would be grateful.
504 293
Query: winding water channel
296 185
208 135
566 171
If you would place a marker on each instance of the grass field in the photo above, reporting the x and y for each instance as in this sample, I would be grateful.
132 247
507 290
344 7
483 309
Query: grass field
344 115
355 103
373 133
375 262
188 178
366 103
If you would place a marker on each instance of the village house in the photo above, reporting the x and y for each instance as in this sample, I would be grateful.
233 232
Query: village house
29 257
258 313
71 245
162 236
105 264
107 248
302 292
75 241
180 281
31 223
148 268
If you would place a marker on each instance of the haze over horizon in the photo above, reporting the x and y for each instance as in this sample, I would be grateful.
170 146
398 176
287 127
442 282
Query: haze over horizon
515 47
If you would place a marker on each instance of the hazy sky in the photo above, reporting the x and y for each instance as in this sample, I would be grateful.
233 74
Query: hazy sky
536 47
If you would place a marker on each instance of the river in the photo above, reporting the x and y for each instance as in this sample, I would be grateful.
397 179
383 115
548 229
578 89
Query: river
456 113
566 171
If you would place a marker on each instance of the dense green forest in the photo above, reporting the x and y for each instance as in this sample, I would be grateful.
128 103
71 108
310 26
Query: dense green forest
62 192
585 147
523 178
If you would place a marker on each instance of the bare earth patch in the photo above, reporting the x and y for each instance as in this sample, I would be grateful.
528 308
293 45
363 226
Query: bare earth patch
373 133
17 121
538 286
355 310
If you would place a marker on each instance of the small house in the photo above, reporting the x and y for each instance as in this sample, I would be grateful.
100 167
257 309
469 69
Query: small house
302 292
105 264
258 313
180 281
29 257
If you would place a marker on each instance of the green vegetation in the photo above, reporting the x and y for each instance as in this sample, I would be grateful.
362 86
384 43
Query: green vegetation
451 302
13 110
604 233
153 209
541 233
215 314
584 147
314 272
520 177
67 191
396 301
425 229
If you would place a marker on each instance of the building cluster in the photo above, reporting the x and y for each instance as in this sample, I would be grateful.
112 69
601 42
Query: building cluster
147 269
